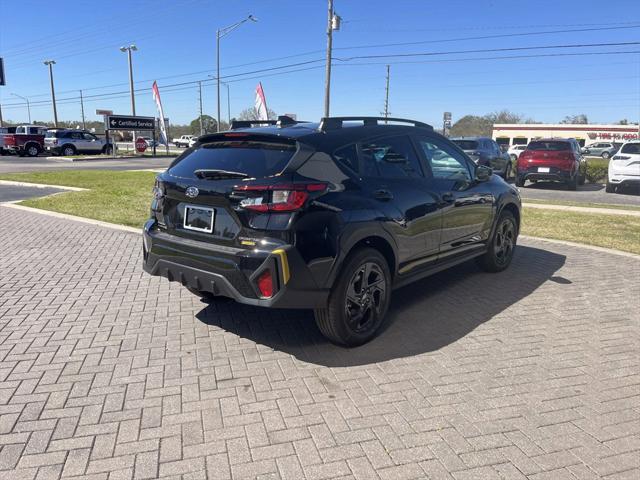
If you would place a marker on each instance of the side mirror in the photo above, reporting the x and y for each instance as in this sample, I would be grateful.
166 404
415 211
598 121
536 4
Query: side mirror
483 173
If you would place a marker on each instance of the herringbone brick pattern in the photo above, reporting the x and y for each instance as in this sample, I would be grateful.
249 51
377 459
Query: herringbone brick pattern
106 373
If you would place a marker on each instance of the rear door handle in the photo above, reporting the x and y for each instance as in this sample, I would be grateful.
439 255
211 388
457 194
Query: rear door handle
382 195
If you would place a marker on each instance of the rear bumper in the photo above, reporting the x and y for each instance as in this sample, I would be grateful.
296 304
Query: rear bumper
623 179
231 272
554 174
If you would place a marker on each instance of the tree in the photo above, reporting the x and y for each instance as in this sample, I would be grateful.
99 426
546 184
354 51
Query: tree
482 126
576 119
624 121
252 114
209 125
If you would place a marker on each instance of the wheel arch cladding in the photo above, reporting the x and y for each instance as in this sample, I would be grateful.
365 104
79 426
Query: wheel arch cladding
380 244
513 209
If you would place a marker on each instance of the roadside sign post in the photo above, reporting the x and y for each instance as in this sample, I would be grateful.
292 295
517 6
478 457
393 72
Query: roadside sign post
130 122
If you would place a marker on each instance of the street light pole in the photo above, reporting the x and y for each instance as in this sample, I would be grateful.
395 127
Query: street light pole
50 64
333 23
28 106
200 92
221 32
129 49
228 105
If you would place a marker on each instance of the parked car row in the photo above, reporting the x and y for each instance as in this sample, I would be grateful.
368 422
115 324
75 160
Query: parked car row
487 152
32 140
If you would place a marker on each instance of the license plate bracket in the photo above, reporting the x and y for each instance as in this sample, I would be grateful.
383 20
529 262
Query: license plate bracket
199 219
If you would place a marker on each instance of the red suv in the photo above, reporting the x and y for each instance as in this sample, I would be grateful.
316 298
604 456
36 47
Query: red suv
555 159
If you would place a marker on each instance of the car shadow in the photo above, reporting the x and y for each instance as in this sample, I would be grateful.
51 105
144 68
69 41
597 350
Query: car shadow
423 317
542 185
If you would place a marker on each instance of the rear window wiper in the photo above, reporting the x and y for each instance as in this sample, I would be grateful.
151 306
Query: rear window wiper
218 174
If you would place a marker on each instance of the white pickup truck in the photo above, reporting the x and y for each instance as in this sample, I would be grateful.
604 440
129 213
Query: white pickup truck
183 141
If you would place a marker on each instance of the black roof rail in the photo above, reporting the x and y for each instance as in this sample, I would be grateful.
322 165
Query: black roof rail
334 123
282 121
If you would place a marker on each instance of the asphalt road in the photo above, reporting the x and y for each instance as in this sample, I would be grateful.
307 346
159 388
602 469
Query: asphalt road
11 164
12 193
588 193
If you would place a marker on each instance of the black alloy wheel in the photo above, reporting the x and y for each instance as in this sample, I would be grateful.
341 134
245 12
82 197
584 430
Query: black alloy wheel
366 295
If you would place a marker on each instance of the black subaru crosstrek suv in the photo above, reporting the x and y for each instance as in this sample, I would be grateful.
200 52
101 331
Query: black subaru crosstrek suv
330 216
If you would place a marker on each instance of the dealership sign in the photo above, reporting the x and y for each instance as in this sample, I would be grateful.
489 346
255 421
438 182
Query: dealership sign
612 136
121 122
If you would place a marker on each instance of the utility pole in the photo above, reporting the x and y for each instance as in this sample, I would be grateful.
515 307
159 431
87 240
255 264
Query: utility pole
386 97
1 121
50 64
228 105
84 126
327 80
200 90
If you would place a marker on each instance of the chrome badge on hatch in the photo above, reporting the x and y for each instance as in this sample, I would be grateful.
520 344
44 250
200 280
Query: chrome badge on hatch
192 192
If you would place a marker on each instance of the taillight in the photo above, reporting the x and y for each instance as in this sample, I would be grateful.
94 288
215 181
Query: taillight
278 198
265 284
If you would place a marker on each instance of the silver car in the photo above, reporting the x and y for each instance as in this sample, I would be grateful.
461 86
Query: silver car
601 149
68 142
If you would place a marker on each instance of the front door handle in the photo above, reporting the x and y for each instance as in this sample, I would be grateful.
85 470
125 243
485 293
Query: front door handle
448 197
382 194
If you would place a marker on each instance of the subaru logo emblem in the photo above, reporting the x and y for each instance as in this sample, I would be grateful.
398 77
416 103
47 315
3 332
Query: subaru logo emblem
191 192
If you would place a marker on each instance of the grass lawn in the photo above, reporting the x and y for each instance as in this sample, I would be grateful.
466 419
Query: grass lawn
116 197
124 198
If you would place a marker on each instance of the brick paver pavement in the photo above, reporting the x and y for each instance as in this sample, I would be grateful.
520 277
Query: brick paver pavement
106 372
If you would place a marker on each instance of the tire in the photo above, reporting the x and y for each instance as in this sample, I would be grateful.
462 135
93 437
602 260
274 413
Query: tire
507 171
68 151
502 245
605 155
31 150
519 181
358 301
572 184
610 187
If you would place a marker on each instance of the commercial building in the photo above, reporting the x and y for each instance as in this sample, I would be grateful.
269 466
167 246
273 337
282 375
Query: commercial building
522 134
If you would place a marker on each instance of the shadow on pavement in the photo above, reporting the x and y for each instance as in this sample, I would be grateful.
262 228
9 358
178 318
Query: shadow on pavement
424 316
541 185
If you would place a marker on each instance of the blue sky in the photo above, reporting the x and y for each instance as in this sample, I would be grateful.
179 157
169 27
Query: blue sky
176 42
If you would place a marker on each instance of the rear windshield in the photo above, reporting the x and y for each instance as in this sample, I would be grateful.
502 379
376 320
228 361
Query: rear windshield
633 148
551 146
256 159
466 144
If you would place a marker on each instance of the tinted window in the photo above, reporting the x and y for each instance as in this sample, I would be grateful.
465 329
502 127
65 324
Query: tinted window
54 134
88 136
467 144
348 156
254 158
445 162
632 148
549 145
391 158
76 135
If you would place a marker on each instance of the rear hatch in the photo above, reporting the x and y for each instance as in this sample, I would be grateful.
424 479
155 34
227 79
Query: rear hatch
470 147
627 160
547 153
229 186
51 137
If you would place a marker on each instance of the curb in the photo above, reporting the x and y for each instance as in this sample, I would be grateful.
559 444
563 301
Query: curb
576 209
42 185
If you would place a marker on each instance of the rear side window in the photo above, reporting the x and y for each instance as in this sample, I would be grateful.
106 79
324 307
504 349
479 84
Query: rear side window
54 134
256 159
392 157
631 148
551 146
467 144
